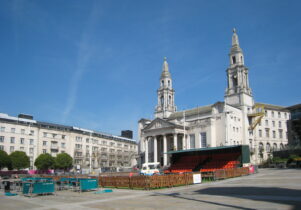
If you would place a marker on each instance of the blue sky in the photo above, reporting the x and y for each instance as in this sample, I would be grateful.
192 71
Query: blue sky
96 64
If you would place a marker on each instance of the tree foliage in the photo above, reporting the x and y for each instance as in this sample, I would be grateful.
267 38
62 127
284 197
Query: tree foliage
44 162
4 160
63 161
19 160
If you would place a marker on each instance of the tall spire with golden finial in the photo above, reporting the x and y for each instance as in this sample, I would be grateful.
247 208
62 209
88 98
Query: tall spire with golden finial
235 38
165 69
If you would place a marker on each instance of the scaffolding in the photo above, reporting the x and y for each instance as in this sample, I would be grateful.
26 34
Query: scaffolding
256 116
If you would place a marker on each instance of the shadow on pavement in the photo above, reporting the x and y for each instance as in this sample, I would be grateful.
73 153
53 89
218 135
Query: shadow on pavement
271 194
177 195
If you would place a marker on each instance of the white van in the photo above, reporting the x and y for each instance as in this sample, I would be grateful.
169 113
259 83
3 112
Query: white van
150 168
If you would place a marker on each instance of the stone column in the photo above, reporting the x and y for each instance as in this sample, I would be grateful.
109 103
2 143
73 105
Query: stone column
164 150
146 150
175 141
184 142
155 150
188 141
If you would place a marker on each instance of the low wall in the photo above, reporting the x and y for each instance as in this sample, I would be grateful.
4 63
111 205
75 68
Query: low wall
147 182
229 173
158 181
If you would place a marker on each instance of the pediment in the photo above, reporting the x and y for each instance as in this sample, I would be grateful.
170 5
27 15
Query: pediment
158 124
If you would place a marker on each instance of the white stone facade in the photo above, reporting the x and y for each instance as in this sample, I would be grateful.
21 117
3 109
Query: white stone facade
237 121
34 138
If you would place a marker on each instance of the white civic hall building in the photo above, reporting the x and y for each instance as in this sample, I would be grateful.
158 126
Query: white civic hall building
236 121
89 149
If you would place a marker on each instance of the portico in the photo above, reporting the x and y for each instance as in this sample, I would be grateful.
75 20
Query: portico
160 137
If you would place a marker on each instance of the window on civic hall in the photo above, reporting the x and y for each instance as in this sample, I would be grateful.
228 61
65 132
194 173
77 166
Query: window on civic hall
87 140
31 132
279 124
44 151
11 148
281 146
279 114
267 133
260 133
44 134
22 140
192 141
2 147
63 136
280 134
22 148
168 83
1 139
266 113
273 114
12 140
44 143
104 142
2 129
13 130
203 139
273 123
285 115
266 123
78 146
275 147
274 134
268 147
30 150
63 145
22 131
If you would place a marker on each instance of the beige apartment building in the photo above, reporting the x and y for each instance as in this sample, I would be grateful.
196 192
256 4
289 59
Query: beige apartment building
89 149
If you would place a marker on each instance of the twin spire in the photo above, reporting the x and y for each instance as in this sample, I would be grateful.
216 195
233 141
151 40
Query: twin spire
165 69
235 43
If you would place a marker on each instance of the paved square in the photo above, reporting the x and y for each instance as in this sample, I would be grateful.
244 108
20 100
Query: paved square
269 189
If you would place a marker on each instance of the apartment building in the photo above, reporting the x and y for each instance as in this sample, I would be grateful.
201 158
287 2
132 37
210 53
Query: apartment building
89 149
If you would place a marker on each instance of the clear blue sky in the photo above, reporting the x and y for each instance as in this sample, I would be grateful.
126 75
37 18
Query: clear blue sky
96 64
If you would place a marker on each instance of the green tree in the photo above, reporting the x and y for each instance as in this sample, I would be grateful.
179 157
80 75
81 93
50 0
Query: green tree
4 160
63 161
44 161
19 160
